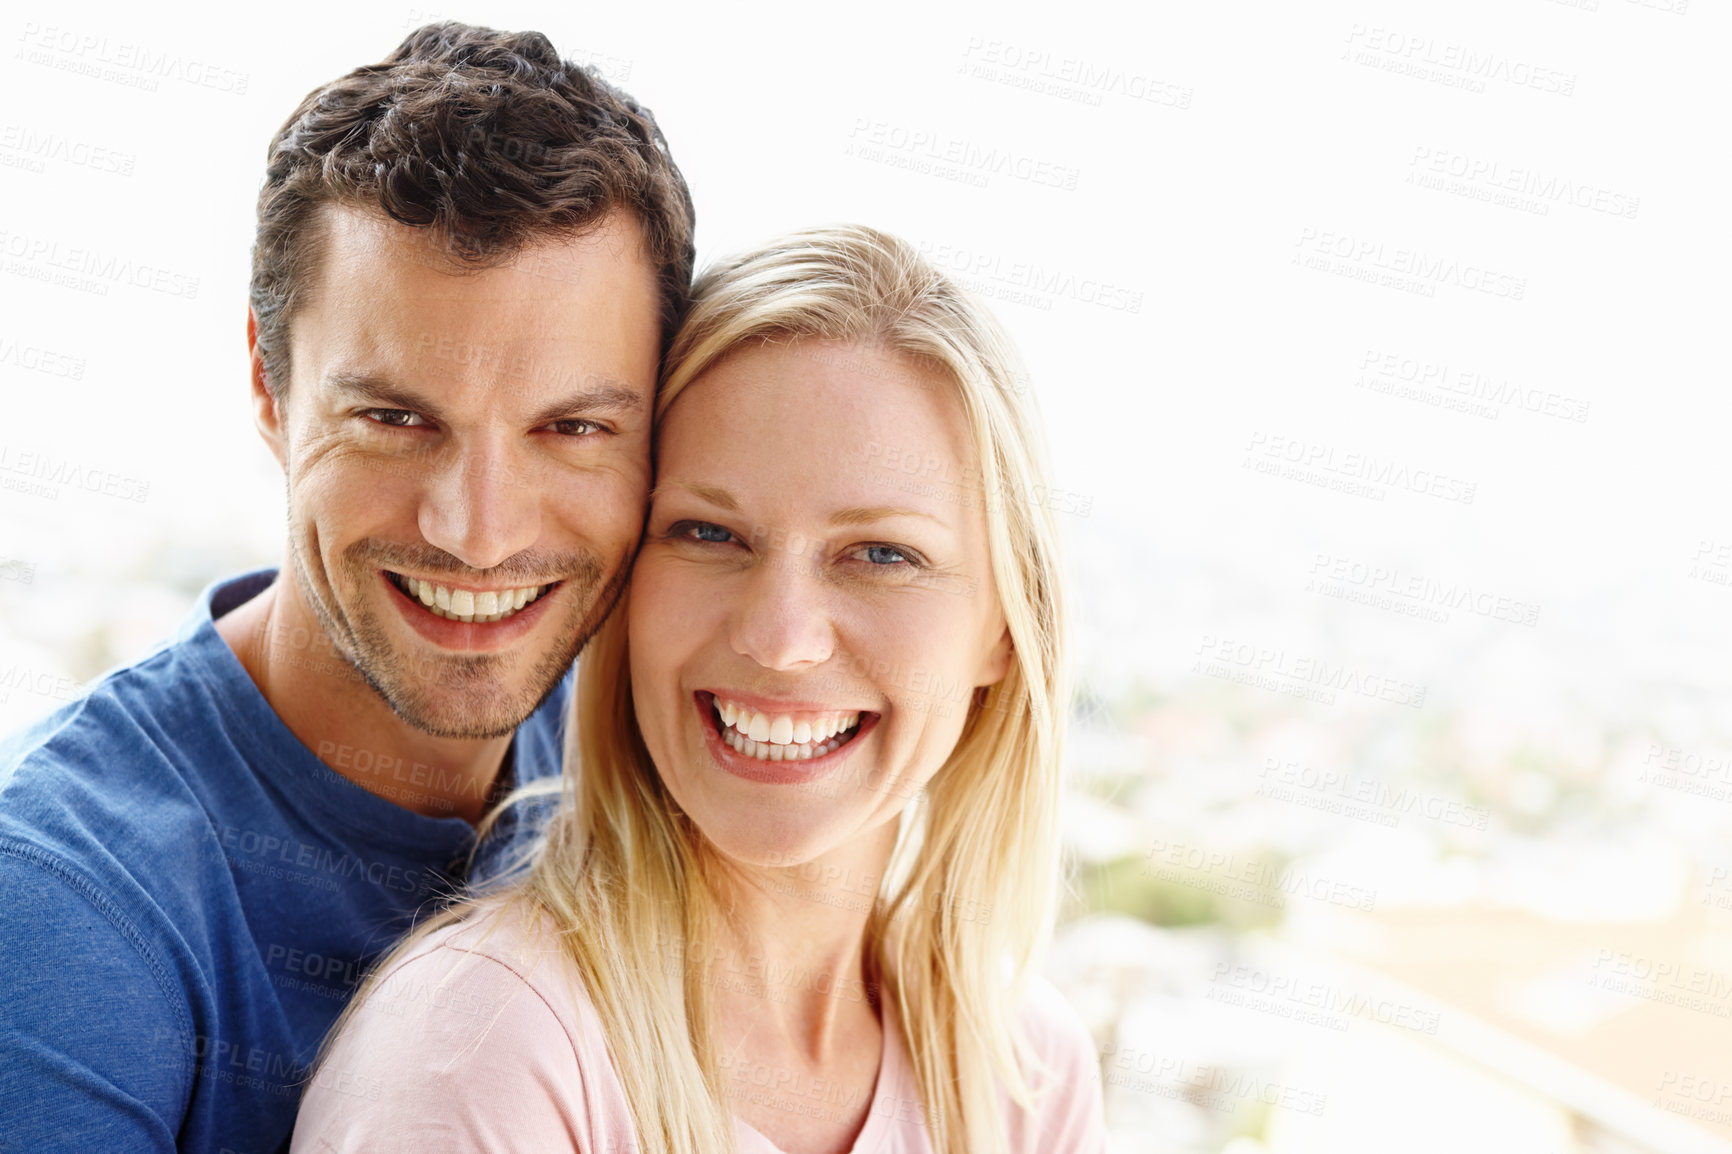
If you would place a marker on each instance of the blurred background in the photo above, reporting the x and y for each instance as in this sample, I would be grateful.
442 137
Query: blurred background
1381 353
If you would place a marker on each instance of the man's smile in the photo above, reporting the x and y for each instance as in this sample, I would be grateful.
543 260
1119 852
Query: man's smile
468 604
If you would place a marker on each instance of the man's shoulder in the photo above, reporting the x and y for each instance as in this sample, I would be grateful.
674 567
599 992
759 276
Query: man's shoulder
115 754
144 734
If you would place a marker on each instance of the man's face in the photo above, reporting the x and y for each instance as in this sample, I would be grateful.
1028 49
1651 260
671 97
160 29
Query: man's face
468 459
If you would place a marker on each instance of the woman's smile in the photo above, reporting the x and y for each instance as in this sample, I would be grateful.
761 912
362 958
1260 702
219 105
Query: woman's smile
773 742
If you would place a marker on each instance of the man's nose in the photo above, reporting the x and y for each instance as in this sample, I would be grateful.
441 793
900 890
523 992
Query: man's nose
481 506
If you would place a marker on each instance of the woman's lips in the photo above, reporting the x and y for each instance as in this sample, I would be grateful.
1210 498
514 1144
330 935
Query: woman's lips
785 761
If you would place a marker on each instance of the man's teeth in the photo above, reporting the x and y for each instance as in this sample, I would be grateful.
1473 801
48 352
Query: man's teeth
467 605
783 736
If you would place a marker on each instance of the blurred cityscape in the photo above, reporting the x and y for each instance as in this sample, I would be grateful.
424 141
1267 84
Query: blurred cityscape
1304 918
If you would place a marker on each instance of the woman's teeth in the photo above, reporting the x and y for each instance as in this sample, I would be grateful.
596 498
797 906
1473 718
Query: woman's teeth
466 605
783 736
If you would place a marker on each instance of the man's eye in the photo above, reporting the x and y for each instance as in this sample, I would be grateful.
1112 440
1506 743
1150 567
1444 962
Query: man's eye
396 418
576 427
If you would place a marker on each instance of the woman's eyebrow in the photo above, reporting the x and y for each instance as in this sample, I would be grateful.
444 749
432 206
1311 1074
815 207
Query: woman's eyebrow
853 515
864 515
720 498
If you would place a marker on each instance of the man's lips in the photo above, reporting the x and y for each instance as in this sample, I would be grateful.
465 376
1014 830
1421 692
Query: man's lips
467 603
473 636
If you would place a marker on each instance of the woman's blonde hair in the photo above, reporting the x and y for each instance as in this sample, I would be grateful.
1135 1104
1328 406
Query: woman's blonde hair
968 900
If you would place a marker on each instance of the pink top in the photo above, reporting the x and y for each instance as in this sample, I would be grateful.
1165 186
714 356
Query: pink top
472 1045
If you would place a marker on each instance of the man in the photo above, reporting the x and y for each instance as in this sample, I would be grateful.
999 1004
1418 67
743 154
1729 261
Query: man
469 259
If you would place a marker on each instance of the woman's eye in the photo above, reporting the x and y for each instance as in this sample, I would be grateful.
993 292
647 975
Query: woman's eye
887 555
396 418
704 531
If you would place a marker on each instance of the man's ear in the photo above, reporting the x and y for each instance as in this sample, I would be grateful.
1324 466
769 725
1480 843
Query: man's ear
267 411
997 661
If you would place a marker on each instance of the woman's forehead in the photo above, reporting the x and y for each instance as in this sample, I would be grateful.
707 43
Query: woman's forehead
822 428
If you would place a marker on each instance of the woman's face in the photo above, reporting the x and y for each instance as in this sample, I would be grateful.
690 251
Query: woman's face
813 607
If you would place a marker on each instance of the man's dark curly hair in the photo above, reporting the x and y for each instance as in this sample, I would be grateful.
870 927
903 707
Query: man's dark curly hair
487 138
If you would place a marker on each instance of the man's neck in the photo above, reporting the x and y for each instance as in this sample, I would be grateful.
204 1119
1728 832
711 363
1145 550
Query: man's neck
326 703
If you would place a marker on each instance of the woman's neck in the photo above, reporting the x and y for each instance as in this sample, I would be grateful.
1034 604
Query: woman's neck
790 948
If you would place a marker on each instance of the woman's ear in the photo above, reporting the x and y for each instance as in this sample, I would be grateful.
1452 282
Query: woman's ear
996 663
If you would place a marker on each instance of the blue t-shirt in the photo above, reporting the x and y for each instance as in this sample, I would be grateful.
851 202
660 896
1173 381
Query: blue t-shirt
188 897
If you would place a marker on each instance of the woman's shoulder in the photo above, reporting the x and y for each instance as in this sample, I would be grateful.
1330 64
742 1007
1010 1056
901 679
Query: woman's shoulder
1050 1024
503 964
480 1031
521 942
1066 1078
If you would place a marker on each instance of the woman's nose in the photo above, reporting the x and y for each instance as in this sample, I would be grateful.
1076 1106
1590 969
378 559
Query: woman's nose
782 620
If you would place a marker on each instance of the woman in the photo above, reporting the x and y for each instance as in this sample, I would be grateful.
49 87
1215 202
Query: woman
793 896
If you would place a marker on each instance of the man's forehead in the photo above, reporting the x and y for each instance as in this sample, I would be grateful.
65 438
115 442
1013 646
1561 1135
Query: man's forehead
366 235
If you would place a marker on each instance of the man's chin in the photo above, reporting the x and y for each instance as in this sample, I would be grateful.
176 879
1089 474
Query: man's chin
458 695
460 710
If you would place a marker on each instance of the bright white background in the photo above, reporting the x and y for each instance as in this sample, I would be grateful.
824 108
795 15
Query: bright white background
1184 213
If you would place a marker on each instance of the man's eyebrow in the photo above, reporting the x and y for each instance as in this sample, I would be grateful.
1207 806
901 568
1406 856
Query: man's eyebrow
865 515
603 399
382 393
720 498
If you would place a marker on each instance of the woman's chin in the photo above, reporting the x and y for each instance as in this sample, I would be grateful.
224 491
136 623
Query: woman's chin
753 850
